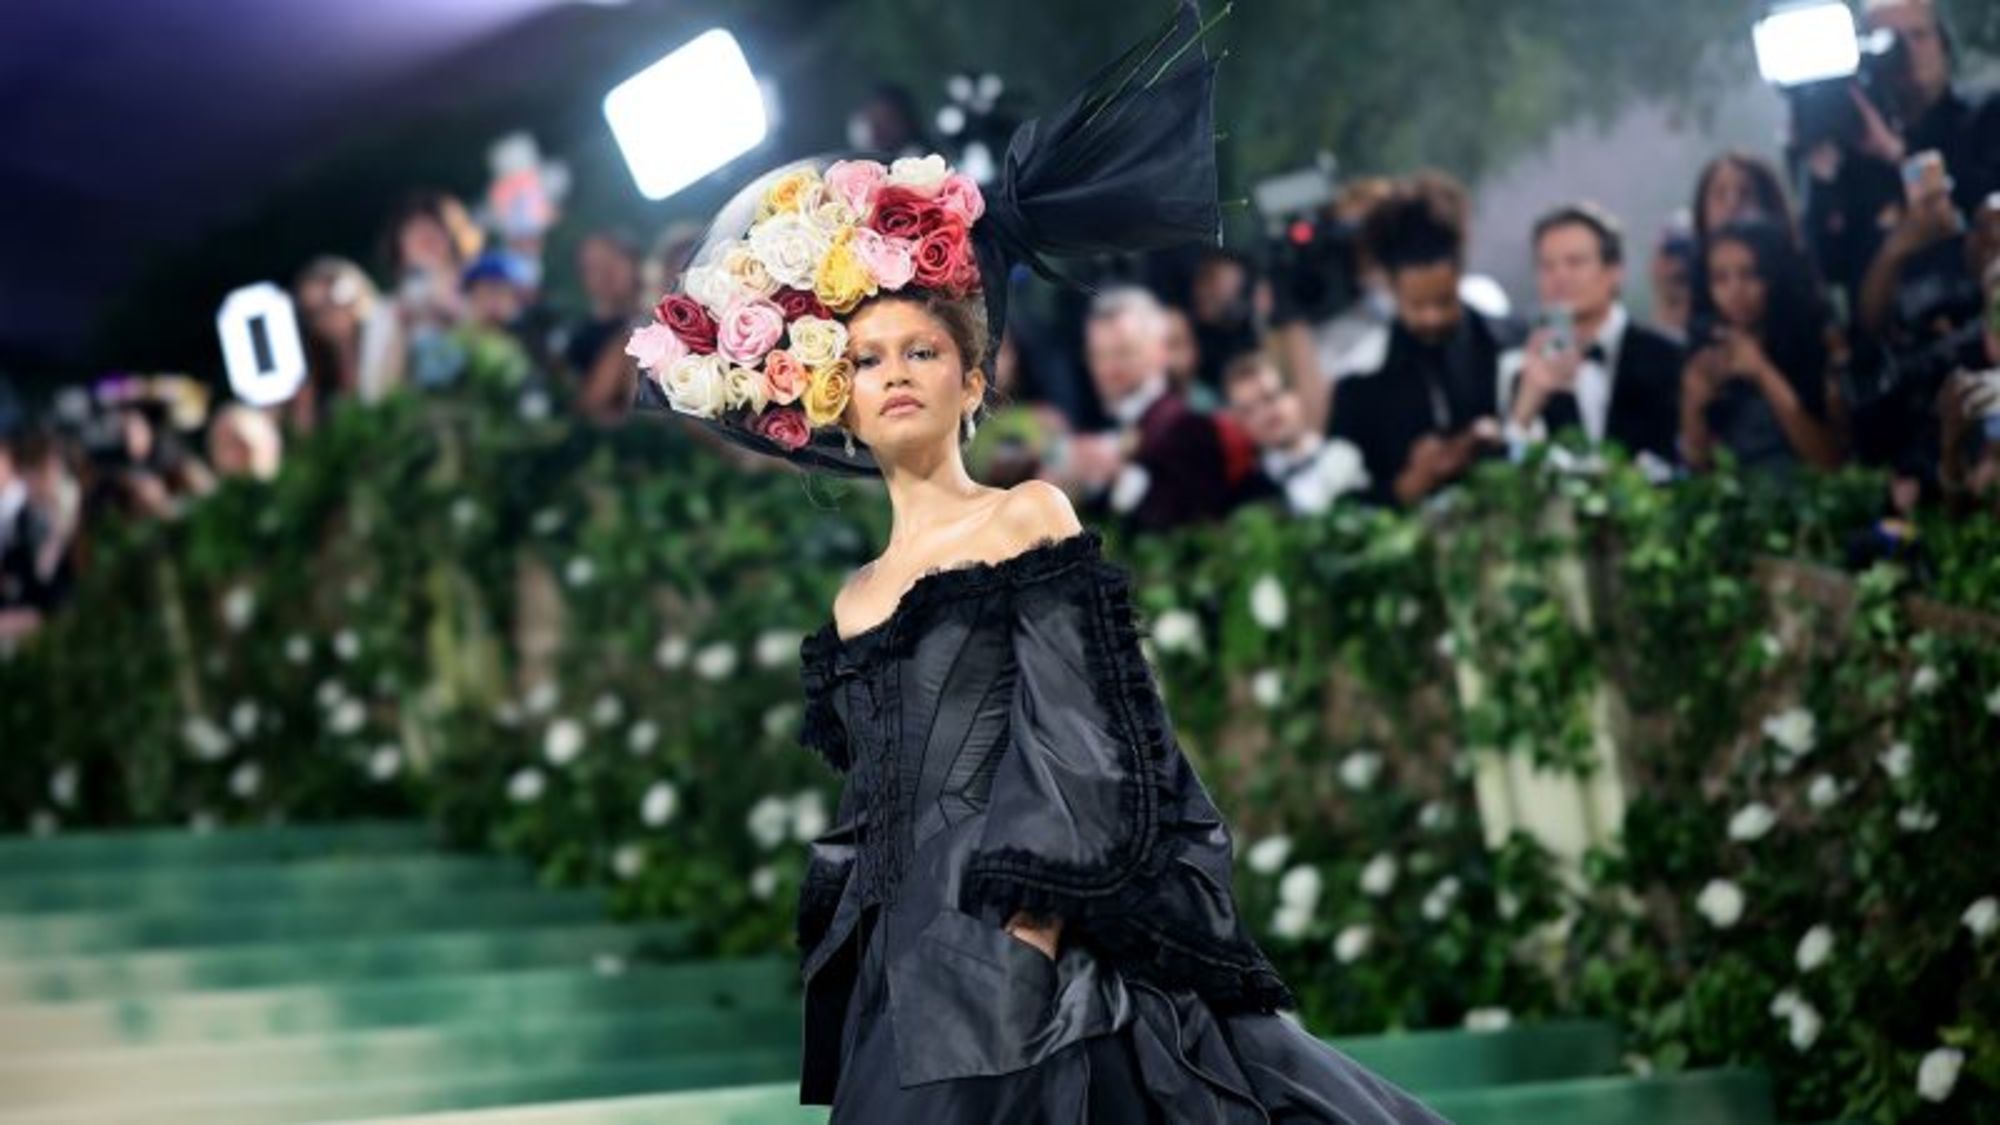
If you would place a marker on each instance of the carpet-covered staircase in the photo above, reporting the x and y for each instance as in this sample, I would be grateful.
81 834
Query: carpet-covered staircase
359 972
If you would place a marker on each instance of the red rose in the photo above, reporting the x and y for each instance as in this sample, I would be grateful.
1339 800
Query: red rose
902 213
688 320
945 261
785 425
796 303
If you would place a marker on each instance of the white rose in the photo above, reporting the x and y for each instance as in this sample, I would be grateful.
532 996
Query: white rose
62 785
808 815
246 779
1352 944
1488 1019
743 386
525 786
207 740
1751 822
580 572
642 737
562 742
347 717
1916 818
1824 792
1814 948
779 720
1805 1025
921 174
541 698
697 385
464 512
659 804
715 287
1438 902
1782 1004
298 648
672 652
1897 760
1925 680
743 265
769 820
346 645
1300 887
1993 702
790 246
1268 687
628 860
1771 644
1721 902
715 661
243 718
1291 921
1982 917
1360 769
1794 729
238 606
385 763
1379 877
764 882
1267 855
1177 630
546 521
607 711
777 648
1267 602
1938 1073
1433 816
1509 904
816 341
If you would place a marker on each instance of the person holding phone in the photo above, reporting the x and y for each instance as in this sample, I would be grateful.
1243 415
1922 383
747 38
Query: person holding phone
1757 382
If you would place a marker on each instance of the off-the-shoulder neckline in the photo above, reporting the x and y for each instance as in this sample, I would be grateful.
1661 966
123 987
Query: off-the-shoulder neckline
940 582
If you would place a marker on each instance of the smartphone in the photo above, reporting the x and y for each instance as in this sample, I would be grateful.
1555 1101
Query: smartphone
1561 323
1924 174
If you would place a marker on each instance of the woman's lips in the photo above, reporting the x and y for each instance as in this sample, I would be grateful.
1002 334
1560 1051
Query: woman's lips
902 406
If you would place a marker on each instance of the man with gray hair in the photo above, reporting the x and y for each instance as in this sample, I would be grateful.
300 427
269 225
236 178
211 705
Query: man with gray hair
1167 463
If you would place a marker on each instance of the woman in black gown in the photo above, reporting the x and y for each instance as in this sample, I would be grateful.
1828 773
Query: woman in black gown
1023 911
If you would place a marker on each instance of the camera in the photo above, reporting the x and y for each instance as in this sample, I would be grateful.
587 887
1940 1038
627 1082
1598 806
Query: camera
1814 53
1310 251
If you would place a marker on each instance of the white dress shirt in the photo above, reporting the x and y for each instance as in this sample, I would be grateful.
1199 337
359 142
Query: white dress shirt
1593 383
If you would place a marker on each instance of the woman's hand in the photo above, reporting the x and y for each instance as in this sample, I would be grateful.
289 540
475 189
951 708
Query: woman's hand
1043 935
1742 357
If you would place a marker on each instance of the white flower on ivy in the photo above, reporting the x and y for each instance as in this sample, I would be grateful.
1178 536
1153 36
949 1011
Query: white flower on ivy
1447 645
1982 917
643 736
385 762
464 511
202 822
526 785
1925 680
1435 815
579 572
63 783
1509 905
777 648
347 717
671 652
1407 612
1352 943
1437 904
541 699
1267 687
507 713
239 605
659 804
607 711
1773 647
764 882
546 521
329 694
1824 792
780 721
1267 602
1291 921
1267 855
1379 877
209 742
534 406
1359 770
628 860
1916 818
246 779
346 644
1993 702
1300 887
1814 948
1897 760
1488 1019
562 742
1751 822
298 648
1937 1075
1805 1025
715 661
243 718
808 815
769 820
43 823
1721 902
1177 630
1794 730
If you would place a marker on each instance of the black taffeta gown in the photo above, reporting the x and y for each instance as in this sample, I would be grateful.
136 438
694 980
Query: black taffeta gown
1005 748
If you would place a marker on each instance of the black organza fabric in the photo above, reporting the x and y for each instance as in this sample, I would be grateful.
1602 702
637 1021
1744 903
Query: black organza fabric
1004 747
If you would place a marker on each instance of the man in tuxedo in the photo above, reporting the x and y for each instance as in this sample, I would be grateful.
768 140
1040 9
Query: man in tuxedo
1297 466
1612 378
1168 464
1428 412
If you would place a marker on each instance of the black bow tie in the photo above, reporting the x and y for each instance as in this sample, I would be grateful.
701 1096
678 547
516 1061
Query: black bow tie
1594 354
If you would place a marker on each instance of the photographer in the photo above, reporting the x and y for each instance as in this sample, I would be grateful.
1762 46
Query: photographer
1757 382
1969 419
1857 180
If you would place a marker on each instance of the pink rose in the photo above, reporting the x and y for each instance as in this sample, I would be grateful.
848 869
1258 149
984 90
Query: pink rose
855 183
787 427
960 198
945 261
785 378
655 346
891 260
749 328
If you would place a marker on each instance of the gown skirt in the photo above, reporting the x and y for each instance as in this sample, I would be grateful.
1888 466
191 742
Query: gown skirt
1176 1062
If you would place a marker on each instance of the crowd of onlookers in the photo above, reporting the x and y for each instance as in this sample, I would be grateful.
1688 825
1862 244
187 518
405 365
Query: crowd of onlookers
1841 306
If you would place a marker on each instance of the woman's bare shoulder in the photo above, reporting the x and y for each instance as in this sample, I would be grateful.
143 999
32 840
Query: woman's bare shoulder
1032 512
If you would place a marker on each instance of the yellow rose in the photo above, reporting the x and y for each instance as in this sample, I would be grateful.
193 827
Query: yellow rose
826 393
842 279
797 192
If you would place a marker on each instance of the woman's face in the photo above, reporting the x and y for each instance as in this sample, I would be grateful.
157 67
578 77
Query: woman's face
425 244
1735 285
610 279
910 387
1727 196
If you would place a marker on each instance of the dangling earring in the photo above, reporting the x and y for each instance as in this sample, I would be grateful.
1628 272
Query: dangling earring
849 440
970 427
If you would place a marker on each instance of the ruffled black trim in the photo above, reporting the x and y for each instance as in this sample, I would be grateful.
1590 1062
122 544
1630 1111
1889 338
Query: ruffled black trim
1111 902
821 730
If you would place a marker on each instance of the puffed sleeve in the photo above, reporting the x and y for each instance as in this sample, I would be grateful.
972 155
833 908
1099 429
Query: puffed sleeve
1096 816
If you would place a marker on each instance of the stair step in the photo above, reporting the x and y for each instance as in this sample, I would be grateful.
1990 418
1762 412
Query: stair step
351 959
1459 1060
1706 1097
128 848
309 1009
191 925
774 1103
258 881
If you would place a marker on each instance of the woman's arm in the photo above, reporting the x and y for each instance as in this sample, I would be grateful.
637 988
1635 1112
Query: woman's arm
1697 390
1811 438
